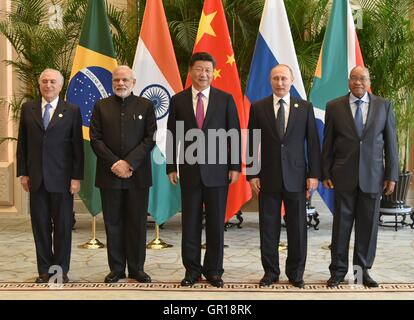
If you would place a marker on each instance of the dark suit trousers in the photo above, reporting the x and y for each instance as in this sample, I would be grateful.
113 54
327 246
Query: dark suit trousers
214 199
363 208
296 225
125 216
51 213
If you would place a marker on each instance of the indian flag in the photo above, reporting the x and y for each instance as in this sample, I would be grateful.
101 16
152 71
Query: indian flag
90 81
339 54
158 79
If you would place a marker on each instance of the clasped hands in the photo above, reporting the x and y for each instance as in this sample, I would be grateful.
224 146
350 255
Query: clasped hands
122 169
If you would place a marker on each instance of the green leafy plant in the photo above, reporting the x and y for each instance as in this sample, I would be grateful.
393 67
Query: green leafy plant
387 44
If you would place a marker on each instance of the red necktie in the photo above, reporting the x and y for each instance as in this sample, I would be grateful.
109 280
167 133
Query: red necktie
200 110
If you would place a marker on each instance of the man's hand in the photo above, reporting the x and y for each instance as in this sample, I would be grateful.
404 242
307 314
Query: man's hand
25 181
255 185
233 176
173 177
311 184
122 169
328 184
389 187
74 186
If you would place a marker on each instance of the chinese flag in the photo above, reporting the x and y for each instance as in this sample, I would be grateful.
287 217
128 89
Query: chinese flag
213 37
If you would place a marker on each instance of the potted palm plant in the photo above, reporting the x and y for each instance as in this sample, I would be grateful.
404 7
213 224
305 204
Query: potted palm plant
387 43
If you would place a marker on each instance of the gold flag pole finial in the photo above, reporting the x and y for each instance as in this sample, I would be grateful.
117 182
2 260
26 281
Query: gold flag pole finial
158 243
93 243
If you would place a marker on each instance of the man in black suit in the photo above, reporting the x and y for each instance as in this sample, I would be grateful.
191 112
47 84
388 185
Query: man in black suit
50 167
288 169
360 160
121 131
202 110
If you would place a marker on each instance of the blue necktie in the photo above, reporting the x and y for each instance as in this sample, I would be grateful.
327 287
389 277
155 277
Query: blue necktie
46 116
358 118
280 120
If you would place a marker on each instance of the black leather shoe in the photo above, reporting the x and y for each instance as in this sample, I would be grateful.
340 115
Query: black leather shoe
216 281
368 281
140 276
65 278
114 277
334 281
297 283
42 278
188 281
268 279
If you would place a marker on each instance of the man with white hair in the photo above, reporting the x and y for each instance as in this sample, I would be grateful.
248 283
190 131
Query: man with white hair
50 166
121 131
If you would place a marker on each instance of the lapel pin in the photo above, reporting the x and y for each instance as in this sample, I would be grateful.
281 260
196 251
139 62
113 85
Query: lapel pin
60 115
140 117
296 105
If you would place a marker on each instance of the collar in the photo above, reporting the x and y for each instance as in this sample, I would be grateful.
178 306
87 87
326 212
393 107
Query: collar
124 100
205 92
286 99
365 98
53 103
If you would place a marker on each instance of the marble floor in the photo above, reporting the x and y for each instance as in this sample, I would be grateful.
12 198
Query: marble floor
394 261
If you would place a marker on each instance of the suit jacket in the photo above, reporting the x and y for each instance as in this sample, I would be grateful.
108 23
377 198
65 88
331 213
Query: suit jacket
123 129
285 160
221 114
54 155
367 161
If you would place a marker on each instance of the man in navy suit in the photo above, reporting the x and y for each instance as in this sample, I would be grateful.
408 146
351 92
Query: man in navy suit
360 160
204 111
50 167
288 169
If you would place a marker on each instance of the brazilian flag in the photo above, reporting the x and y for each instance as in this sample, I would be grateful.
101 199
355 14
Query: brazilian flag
90 81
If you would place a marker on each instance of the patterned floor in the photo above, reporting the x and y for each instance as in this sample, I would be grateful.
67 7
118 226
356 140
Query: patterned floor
393 267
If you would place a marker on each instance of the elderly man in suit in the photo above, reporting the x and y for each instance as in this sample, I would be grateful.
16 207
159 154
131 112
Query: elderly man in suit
121 131
204 111
50 166
290 167
360 160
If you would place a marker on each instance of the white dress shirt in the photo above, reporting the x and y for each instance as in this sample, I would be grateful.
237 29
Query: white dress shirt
364 106
206 95
286 105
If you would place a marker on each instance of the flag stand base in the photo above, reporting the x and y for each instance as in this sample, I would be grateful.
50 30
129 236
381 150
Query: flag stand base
92 244
158 244
282 246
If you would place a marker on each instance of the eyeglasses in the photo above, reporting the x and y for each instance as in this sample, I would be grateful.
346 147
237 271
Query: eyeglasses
360 79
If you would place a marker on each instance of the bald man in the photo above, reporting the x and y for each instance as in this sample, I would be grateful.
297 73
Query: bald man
359 161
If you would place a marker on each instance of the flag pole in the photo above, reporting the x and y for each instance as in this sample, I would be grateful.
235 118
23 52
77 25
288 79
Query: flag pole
93 243
158 243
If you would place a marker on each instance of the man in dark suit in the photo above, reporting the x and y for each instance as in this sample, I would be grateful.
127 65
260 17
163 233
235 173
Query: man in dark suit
202 110
360 160
50 166
121 131
288 169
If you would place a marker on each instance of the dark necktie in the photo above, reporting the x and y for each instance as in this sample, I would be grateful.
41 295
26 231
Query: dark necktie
358 118
200 110
46 116
280 120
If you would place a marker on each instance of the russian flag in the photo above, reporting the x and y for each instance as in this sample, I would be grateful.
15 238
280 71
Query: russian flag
274 45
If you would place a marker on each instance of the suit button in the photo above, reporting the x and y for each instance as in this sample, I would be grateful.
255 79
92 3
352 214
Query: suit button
282 145
360 142
122 114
